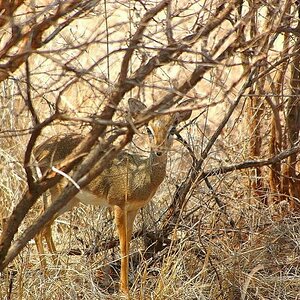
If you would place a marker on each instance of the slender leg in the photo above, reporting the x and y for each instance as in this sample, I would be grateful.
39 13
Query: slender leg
130 221
124 221
121 220
47 233
40 248
39 242
50 243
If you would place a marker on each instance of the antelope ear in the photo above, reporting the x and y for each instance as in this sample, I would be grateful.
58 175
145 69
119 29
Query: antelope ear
183 115
135 106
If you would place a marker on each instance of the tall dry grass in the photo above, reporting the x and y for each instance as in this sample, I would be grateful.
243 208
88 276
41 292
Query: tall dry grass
204 257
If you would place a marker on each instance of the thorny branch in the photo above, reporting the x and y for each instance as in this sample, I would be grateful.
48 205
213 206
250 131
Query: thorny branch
38 188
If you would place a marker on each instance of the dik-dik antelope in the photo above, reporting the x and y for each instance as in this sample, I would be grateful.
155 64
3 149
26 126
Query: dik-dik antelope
126 185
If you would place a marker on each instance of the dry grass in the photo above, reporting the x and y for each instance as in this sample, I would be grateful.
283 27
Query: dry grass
205 257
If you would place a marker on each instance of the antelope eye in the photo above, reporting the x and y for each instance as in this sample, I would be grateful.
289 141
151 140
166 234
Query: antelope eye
149 132
172 130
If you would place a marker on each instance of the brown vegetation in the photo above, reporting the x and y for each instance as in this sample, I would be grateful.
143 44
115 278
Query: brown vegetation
225 222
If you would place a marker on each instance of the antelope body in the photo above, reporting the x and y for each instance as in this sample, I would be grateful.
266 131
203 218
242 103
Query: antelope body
127 184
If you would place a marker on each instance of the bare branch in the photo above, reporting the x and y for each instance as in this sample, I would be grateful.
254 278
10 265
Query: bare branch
32 39
251 163
138 36
82 176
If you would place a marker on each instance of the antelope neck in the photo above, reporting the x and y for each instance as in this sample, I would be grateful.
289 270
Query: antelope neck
157 166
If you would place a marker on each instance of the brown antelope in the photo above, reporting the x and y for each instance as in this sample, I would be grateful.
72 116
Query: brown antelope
126 185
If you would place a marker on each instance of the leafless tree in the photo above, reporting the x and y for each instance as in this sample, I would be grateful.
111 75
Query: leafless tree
70 66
